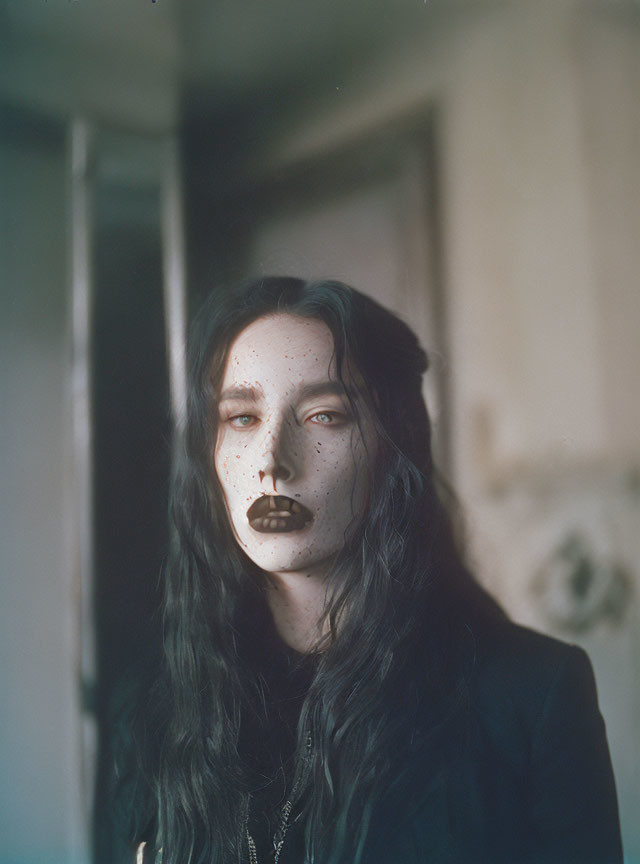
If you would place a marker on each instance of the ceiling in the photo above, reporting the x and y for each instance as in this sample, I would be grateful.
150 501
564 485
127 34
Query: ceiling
131 62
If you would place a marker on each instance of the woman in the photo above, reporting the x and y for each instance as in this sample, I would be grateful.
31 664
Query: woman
334 686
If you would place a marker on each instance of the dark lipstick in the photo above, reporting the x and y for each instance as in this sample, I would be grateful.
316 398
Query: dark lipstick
275 514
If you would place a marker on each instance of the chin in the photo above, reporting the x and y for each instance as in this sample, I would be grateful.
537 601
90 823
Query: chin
279 563
284 553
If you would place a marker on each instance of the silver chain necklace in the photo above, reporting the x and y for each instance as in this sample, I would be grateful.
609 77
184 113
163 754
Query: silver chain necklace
285 816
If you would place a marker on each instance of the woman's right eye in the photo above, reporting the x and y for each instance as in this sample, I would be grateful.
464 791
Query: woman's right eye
241 421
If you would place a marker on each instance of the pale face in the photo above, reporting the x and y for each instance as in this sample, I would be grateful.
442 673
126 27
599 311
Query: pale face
288 441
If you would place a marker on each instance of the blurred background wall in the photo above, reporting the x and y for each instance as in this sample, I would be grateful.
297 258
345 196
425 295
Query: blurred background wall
474 165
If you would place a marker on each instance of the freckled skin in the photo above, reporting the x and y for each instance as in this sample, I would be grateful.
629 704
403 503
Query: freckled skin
302 445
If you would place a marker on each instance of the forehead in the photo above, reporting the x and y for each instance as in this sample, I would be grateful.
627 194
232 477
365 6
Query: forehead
281 346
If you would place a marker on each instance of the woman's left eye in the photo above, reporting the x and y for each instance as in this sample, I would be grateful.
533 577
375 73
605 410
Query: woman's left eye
325 418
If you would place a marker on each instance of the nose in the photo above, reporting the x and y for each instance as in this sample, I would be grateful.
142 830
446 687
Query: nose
278 455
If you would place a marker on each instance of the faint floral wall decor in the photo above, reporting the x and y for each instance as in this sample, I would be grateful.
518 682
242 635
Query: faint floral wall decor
582 584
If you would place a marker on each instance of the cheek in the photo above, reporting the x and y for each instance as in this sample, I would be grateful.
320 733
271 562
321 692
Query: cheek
221 467
339 473
237 480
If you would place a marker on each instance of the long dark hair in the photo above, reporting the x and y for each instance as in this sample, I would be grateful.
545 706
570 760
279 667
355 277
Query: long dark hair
394 673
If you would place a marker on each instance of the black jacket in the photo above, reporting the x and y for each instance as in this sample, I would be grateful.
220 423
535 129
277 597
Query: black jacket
533 781
529 781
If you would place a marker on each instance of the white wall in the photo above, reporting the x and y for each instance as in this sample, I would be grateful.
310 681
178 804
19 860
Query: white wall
542 166
40 740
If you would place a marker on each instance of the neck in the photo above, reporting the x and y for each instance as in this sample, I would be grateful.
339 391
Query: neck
296 601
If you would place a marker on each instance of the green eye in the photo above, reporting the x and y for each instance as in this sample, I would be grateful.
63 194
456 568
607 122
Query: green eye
324 418
241 420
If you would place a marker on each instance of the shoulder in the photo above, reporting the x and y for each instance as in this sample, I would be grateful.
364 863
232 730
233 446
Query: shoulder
539 733
545 684
524 667
527 688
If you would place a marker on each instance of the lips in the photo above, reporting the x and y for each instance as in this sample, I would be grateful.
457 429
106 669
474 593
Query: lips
276 514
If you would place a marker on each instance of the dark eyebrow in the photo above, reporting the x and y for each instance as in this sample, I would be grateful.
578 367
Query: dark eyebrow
322 388
307 391
249 394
